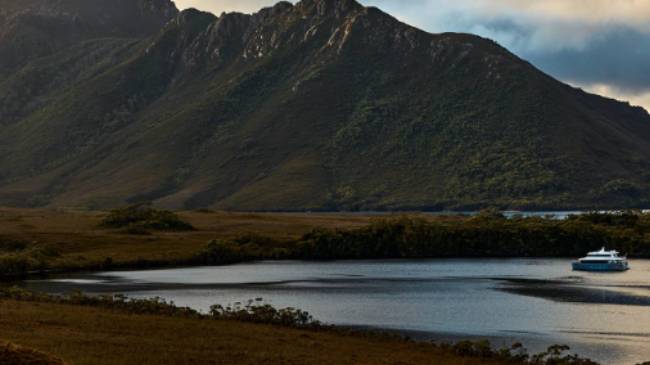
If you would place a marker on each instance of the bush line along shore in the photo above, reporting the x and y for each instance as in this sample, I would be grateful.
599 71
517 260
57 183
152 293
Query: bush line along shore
488 234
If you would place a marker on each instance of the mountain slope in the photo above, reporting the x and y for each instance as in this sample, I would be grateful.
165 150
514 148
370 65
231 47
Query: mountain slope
35 28
324 104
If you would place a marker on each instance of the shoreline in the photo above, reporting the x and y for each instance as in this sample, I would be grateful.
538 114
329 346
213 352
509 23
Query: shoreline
72 313
34 243
564 290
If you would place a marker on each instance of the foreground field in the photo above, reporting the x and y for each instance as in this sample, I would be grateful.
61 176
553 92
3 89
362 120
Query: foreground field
96 336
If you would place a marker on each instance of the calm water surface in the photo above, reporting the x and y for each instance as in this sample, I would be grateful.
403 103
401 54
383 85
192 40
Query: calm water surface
535 301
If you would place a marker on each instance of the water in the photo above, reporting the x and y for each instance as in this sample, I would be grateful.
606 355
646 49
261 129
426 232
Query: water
539 302
552 214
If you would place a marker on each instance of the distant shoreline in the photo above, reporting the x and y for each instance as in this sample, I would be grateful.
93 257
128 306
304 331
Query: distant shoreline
50 242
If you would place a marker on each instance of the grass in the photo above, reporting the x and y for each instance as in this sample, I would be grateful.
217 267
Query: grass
70 240
11 354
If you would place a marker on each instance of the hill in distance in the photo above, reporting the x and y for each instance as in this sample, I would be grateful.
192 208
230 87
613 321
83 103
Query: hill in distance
321 105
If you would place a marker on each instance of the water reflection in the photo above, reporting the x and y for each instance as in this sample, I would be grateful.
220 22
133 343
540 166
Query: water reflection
539 302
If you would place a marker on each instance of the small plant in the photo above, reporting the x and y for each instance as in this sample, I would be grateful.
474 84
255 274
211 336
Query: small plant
257 312
554 355
138 219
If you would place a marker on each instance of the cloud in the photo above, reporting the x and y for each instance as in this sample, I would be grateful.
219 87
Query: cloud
548 25
219 6
587 42
620 58
639 99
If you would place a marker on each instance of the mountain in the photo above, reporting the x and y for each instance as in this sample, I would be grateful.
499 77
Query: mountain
321 105
32 29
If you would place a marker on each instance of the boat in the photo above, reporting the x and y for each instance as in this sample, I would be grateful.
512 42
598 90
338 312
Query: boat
602 260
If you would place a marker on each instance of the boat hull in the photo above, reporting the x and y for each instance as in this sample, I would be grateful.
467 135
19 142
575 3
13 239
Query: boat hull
601 267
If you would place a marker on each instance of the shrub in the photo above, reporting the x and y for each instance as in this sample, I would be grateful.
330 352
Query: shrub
13 265
137 219
554 355
255 311
220 252
12 246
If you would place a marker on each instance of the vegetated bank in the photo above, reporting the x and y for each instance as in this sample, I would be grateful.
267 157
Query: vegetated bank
141 237
153 331
489 234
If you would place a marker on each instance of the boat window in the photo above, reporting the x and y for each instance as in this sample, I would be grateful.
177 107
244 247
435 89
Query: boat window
597 262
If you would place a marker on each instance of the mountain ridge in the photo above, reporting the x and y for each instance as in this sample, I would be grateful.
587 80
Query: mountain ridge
322 105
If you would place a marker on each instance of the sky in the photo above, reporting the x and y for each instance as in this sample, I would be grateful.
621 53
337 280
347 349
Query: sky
602 46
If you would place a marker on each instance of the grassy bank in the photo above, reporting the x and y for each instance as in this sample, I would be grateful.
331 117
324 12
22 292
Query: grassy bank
111 330
33 241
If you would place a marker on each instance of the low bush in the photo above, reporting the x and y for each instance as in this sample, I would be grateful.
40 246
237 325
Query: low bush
12 265
257 312
554 355
137 219
27 259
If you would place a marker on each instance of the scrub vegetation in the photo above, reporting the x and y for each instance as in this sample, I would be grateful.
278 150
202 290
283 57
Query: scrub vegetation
70 241
487 235
139 219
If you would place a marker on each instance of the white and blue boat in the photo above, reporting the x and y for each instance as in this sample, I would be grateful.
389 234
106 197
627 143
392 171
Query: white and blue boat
602 260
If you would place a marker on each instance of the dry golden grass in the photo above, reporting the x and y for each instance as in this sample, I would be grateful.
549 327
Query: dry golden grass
94 336
11 354
81 243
